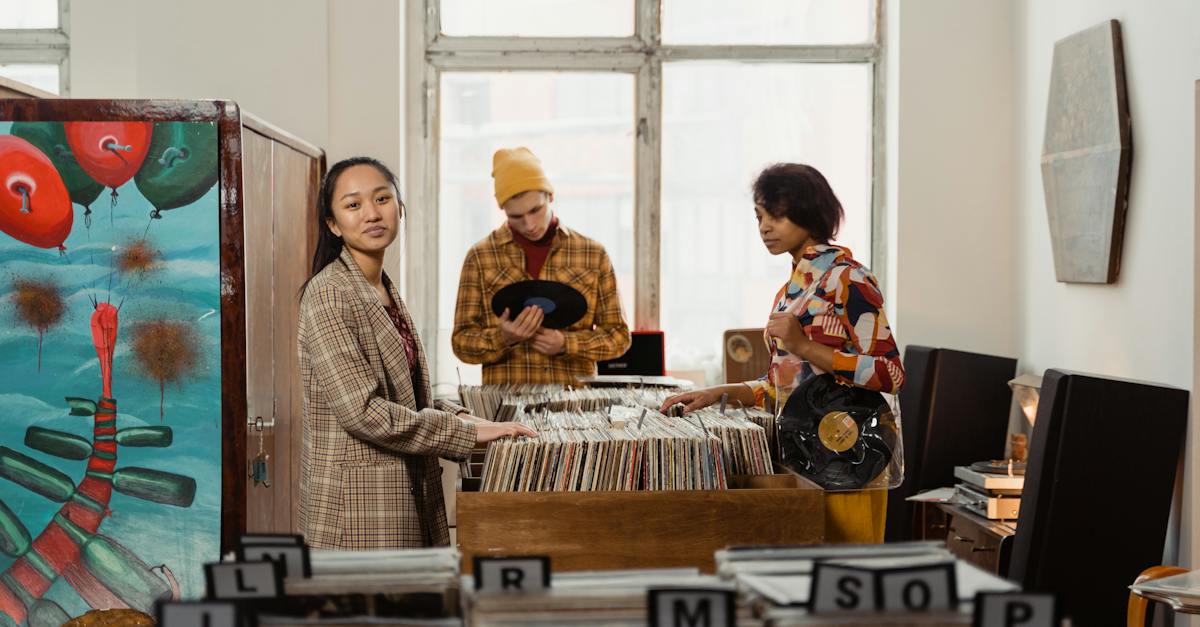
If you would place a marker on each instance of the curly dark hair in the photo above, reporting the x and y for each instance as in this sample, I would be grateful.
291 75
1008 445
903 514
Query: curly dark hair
800 193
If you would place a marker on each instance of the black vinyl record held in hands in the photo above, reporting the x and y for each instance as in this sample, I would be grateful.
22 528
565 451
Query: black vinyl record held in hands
836 435
562 304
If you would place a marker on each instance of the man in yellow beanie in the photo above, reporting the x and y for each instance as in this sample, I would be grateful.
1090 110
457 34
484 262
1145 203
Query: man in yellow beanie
514 347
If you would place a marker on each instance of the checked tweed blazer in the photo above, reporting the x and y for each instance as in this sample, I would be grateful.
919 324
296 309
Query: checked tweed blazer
369 474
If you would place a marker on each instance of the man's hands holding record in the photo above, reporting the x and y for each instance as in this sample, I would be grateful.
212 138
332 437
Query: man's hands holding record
549 342
524 327
543 307
528 326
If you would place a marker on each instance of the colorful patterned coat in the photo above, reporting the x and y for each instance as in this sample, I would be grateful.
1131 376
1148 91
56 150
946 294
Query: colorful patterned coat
838 302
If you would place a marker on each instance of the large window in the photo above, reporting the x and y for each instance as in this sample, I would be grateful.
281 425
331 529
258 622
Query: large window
651 118
33 43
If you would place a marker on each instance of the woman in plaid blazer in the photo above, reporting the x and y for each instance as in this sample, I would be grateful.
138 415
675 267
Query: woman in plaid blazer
369 475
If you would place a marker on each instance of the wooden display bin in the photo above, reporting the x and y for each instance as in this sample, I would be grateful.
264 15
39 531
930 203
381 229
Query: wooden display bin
639 529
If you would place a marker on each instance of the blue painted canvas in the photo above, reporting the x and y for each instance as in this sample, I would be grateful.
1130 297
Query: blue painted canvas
110 386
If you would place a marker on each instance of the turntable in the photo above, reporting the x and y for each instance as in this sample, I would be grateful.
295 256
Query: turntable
987 504
993 495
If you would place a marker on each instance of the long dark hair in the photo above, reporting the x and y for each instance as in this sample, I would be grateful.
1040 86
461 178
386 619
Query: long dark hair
329 246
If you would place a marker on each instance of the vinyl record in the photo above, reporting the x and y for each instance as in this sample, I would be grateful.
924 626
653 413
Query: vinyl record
562 304
1000 467
837 436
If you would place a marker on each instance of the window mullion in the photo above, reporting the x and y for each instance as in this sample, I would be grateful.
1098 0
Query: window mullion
433 22
647 240
648 23
536 45
647 207
50 39
64 18
32 55
850 53
64 77
879 221
496 60
420 254
423 223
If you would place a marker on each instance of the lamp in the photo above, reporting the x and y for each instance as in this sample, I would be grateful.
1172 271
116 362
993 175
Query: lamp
1026 390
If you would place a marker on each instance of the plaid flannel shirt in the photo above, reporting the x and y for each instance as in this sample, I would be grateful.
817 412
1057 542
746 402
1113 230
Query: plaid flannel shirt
498 261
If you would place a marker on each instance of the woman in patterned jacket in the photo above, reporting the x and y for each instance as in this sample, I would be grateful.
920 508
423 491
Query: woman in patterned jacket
369 475
829 317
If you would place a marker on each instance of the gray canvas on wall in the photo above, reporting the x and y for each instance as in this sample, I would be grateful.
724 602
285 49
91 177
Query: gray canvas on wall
1086 155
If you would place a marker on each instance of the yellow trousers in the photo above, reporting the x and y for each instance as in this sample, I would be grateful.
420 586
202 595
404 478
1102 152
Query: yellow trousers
855 517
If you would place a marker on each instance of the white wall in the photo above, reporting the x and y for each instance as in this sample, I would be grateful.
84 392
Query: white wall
1141 327
271 56
366 91
328 72
366 87
968 85
950 157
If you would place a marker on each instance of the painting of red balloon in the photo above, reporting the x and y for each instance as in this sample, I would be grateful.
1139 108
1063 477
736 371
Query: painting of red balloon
34 204
111 152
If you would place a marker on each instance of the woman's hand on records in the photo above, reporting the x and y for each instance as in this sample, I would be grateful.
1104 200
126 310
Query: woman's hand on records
521 328
467 417
699 399
490 431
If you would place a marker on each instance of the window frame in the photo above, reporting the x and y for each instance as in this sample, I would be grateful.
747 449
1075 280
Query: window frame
429 53
45 46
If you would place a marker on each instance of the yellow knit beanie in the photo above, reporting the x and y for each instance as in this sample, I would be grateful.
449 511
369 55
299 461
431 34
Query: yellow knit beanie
517 170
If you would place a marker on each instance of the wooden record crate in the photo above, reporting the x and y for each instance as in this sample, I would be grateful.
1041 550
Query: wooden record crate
639 529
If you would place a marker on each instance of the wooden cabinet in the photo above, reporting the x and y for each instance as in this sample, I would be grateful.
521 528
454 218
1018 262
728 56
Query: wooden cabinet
267 186
13 89
282 177
985 543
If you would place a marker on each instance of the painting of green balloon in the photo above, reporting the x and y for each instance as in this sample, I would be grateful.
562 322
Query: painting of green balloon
182 165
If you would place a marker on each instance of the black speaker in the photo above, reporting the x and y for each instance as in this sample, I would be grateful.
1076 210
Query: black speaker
646 357
1098 489
954 408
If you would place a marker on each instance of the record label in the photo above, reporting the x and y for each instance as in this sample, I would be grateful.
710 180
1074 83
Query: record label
838 431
